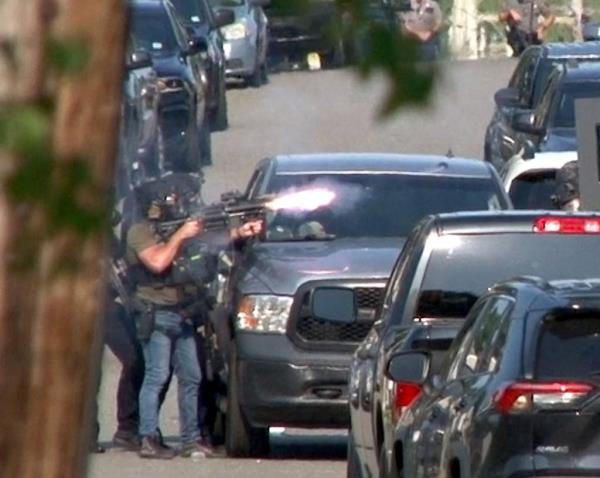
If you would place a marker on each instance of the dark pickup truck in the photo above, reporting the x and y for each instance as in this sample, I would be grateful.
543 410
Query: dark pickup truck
337 221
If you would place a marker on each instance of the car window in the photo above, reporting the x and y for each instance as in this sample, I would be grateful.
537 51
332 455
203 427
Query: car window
483 346
526 84
254 182
190 11
480 260
154 32
543 107
534 190
577 338
462 340
402 264
519 73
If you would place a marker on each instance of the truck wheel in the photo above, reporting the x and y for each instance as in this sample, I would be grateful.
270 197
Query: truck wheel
241 440
353 469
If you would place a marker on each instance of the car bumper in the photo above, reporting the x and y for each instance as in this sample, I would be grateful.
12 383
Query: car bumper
301 44
280 385
240 57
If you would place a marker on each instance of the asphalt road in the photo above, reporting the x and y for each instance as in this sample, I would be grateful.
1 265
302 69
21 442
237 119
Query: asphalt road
303 112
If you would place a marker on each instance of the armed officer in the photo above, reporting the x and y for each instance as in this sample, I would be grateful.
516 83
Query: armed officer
166 332
423 22
527 22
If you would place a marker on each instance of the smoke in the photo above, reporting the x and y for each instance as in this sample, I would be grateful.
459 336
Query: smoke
339 196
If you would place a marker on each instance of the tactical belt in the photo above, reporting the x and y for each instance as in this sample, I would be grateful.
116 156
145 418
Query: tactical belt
167 308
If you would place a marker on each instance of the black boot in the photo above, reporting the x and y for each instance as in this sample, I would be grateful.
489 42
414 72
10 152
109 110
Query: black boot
128 440
151 448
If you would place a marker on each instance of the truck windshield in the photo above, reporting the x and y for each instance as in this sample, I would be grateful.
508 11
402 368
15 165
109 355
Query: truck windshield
153 32
462 267
373 205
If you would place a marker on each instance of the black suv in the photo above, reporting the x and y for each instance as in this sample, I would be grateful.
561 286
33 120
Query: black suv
201 22
337 221
178 62
447 263
520 392
551 126
525 90
138 134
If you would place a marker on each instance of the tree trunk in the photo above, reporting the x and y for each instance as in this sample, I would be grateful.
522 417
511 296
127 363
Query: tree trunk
51 276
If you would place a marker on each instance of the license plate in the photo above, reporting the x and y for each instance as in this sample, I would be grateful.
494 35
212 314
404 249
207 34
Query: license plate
314 61
227 49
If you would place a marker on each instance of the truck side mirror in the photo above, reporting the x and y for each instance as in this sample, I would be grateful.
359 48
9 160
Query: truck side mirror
524 122
223 16
138 59
334 304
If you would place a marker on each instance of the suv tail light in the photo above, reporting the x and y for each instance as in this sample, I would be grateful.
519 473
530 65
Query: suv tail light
405 394
567 225
523 397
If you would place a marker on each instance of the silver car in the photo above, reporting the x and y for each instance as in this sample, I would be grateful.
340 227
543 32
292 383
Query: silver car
245 40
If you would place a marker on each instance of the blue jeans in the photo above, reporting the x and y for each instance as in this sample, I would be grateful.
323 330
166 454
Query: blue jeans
171 343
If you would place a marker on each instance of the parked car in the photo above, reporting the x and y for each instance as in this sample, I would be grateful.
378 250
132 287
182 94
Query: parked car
551 125
138 134
531 182
286 365
519 394
294 33
448 262
179 65
201 22
246 40
525 90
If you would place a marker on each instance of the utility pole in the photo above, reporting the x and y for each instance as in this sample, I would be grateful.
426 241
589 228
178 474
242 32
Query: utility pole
60 82
463 29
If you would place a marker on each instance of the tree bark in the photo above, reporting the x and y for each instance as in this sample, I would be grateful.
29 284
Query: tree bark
51 280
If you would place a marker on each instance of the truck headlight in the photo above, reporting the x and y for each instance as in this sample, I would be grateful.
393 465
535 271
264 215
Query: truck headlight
264 313
235 31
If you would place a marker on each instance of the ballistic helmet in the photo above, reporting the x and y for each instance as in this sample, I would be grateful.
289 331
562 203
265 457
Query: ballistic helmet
170 197
567 184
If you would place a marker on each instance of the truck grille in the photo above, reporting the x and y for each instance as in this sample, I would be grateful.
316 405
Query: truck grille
369 297
315 330
311 329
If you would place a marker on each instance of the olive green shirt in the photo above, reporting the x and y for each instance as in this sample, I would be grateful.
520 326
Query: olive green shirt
140 237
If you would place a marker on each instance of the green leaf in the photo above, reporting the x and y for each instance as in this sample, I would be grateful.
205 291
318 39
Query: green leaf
68 55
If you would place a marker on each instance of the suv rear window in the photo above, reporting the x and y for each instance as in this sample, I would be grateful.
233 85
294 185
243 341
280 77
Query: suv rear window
577 340
533 190
463 267
377 205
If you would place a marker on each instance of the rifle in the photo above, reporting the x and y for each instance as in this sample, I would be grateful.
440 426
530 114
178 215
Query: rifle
117 274
230 212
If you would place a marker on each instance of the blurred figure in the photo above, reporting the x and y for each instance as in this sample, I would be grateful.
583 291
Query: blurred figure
566 196
423 22
527 22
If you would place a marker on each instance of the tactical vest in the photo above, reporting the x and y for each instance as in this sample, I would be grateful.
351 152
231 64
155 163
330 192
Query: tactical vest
195 265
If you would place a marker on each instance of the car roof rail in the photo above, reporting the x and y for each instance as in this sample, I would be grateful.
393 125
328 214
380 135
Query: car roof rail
533 280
